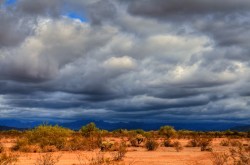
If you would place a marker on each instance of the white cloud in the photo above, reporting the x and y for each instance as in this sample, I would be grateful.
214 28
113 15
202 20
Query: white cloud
124 62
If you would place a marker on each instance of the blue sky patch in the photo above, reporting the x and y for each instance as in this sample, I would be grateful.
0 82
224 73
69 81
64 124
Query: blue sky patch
10 2
76 16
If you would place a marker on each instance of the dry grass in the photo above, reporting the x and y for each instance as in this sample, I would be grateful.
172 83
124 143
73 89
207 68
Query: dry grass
1 148
8 158
48 159
220 158
177 146
151 145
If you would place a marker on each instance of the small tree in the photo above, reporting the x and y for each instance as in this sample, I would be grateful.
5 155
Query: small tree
167 131
89 130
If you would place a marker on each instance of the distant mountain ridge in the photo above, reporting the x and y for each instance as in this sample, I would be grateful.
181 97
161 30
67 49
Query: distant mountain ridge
244 128
76 125
19 123
151 126
5 128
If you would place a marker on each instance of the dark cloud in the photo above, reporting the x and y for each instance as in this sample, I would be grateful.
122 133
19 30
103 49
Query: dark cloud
101 11
173 8
227 23
45 7
13 30
132 60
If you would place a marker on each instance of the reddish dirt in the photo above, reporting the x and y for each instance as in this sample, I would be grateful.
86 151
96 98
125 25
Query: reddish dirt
134 156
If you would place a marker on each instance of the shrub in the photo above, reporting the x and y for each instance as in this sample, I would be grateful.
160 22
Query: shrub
31 148
177 145
148 135
42 136
83 143
1 148
133 142
167 131
235 143
46 135
206 144
99 159
167 143
89 130
50 149
194 142
151 145
106 146
225 143
137 140
77 143
240 155
20 144
94 142
122 150
220 158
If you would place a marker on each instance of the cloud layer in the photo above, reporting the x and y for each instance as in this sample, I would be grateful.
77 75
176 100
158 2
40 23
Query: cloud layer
161 60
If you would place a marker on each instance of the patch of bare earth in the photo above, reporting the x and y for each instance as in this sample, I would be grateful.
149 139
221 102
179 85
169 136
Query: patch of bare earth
134 156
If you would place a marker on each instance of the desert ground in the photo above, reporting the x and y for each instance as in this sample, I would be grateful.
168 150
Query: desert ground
134 156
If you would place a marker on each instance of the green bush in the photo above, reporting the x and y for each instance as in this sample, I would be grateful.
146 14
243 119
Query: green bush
42 136
89 130
167 131
46 135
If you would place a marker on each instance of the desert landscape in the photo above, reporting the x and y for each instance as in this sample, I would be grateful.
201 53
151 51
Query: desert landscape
51 145
124 82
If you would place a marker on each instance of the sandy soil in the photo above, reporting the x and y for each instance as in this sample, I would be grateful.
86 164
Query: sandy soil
141 157
134 156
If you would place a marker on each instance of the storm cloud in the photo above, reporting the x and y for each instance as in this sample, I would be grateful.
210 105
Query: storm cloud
161 60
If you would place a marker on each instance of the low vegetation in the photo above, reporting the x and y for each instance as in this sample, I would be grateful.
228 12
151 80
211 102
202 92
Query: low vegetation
177 146
8 158
1 148
151 145
47 159
45 140
239 155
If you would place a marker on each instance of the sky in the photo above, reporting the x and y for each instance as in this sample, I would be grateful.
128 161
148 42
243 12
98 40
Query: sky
125 60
